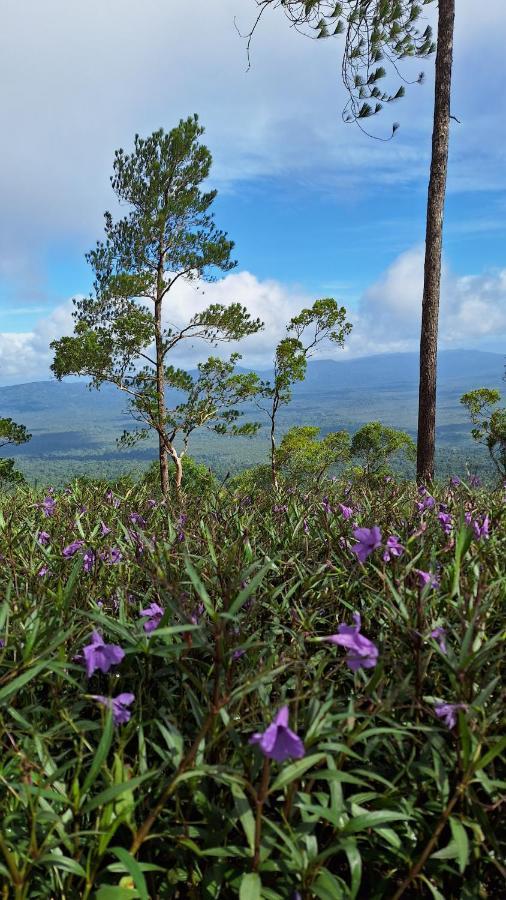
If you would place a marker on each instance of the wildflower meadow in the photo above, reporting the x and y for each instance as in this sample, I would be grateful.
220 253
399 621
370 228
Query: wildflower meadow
286 694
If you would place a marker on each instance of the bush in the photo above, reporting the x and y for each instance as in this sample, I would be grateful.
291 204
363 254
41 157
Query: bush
215 618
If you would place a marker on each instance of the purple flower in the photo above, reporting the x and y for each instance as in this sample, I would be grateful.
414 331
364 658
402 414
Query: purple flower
481 529
425 578
305 527
154 614
362 653
72 548
2 643
113 500
455 480
475 481
137 519
278 741
448 712
88 561
43 538
43 571
393 547
446 522
237 654
151 503
98 655
83 510
368 540
119 704
439 635
115 555
326 506
104 529
48 506
346 511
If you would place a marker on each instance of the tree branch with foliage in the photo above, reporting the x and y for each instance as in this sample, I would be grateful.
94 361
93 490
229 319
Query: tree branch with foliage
489 424
11 433
322 325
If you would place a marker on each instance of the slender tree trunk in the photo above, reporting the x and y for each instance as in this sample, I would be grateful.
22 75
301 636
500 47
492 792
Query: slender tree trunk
274 469
160 391
433 244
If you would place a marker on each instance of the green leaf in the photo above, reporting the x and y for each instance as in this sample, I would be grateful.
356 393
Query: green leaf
101 754
373 819
492 753
116 790
459 834
250 589
201 590
111 892
54 860
251 887
133 868
295 770
245 815
13 686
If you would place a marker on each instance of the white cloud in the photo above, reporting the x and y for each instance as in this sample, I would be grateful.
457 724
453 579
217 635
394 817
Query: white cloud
473 311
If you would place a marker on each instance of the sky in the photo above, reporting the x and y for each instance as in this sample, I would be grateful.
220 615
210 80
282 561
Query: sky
315 207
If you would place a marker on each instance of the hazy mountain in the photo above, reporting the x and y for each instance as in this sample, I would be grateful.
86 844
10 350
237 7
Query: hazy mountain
75 429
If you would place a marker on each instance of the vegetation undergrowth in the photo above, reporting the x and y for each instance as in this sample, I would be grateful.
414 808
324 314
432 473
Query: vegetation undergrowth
144 645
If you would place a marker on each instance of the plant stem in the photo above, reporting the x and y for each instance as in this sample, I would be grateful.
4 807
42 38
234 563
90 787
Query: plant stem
260 800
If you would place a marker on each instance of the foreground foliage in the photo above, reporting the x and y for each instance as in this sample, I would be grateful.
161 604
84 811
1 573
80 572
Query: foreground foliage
144 646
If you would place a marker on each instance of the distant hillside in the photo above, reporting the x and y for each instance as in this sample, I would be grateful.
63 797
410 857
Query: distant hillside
75 429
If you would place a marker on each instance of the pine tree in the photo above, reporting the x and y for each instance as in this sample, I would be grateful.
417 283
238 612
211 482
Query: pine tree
378 35
121 334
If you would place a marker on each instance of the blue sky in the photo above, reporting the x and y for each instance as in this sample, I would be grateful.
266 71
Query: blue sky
315 207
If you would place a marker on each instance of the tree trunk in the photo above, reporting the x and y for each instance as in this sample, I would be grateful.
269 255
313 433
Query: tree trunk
274 469
433 244
160 392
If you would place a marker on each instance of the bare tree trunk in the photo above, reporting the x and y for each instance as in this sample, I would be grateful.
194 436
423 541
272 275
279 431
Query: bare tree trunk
160 390
433 244
274 469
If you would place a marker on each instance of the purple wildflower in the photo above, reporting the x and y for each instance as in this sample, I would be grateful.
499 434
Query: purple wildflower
88 561
439 635
43 538
362 653
119 704
98 655
346 511
475 481
43 571
48 506
2 643
455 480
278 741
237 654
393 547
446 522
448 712
153 615
326 506
425 578
137 519
368 540
151 503
481 529
72 549
104 529
83 510
114 501
305 527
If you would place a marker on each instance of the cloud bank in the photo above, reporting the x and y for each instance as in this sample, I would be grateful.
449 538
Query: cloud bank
387 318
